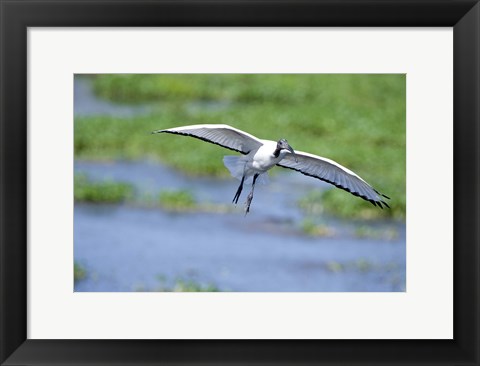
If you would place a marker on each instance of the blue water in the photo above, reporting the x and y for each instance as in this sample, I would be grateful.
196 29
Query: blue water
86 104
126 248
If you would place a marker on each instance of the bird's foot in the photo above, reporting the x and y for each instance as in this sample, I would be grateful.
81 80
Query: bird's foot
248 202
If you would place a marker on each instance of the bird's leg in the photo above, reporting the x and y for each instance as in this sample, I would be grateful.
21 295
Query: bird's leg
250 195
239 190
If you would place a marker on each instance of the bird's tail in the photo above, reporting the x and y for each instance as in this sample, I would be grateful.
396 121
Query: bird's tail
237 167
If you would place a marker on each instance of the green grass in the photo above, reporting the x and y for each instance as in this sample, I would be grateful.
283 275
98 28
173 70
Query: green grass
356 120
79 272
177 200
312 203
360 265
192 286
277 88
182 200
309 227
339 203
182 285
87 190
108 191
368 232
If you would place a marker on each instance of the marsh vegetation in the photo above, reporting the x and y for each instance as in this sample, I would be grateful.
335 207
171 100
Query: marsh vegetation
358 120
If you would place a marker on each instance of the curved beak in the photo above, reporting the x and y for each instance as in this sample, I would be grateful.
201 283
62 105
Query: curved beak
293 153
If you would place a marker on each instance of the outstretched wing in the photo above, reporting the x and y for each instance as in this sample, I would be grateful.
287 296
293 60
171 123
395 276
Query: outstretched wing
333 173
223 135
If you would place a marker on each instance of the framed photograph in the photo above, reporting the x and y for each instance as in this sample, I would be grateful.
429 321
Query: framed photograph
239 182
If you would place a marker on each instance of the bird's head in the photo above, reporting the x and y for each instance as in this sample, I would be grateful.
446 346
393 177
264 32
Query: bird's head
283 145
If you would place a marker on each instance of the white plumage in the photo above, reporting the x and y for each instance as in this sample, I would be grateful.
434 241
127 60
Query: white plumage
261 155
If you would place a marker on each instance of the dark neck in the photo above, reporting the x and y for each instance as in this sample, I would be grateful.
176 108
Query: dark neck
276 152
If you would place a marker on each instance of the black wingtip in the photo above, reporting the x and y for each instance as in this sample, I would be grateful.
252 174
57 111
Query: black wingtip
381 194
379 204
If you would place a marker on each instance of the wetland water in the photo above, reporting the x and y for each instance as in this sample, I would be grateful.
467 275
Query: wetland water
128 247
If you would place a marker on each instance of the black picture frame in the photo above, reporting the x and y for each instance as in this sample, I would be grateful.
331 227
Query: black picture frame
17 15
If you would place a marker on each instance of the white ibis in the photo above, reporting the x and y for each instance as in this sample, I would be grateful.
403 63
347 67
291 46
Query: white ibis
259 156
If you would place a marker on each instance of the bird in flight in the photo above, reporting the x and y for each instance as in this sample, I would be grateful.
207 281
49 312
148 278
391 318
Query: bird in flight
259 156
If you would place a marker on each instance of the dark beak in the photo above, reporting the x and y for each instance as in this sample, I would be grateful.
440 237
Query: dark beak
293 153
